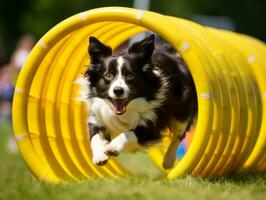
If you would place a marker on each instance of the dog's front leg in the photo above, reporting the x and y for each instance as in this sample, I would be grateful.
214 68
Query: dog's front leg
133 140
120 142
98 144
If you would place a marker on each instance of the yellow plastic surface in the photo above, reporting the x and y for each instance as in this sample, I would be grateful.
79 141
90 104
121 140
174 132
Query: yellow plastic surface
228 69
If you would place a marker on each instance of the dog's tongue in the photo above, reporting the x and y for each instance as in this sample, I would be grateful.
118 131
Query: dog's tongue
119 106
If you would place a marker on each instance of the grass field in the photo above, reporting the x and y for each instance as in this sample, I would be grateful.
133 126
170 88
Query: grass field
16 182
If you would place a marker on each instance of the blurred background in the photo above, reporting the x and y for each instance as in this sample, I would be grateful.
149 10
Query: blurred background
23 22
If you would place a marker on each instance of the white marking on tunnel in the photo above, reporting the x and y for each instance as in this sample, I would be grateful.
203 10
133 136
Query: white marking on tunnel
18 90
84 15
42 44
44 177
78 99
185 47
234 74
264 95
206 95
139 14
224 71
21 137
251 58
217 52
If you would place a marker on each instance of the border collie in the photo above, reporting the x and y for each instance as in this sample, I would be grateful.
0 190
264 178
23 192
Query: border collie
135 96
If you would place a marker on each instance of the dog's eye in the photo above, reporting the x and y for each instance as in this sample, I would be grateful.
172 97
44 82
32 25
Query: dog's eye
130 77
108 76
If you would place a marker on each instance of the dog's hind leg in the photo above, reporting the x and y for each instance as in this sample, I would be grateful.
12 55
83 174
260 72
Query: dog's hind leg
170 156
178 129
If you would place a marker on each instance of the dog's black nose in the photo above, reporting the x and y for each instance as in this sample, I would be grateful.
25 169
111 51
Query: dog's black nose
118 91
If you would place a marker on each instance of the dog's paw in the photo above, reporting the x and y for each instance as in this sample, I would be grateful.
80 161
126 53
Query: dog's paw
167 164
112 152
113 148
169 161
100 159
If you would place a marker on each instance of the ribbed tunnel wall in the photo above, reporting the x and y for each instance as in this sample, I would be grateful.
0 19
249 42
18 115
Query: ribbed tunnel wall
49 118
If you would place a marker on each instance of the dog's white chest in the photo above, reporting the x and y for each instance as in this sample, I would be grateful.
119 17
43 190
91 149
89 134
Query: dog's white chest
138 112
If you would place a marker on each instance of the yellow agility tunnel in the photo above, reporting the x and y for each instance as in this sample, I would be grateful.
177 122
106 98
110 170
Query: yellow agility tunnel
229 70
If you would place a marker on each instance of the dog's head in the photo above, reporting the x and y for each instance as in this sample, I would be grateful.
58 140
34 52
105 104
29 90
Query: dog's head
121 78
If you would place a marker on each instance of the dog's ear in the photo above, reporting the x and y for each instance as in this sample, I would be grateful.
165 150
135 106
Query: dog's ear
142 50
98 50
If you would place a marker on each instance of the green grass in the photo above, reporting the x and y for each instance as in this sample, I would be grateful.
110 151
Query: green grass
16 182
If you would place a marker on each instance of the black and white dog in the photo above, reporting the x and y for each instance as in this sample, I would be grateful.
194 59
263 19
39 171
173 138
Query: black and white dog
136 95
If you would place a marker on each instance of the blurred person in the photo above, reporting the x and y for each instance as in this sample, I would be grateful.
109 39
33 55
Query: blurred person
8 78
6 93
6 96
21 52
3 83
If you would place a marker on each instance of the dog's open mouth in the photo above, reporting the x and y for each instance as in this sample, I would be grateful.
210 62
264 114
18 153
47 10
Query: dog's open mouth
119 106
